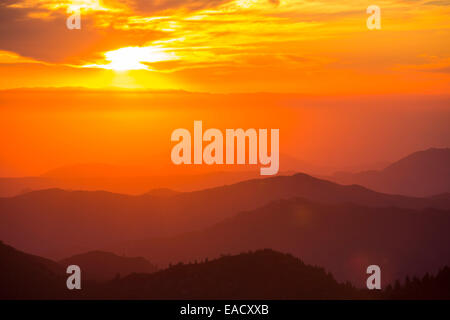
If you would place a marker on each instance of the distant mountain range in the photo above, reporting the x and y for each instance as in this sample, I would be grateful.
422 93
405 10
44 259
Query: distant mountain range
422 174
343 238
118 181
262 274
61 223
342 228
103 266
26 276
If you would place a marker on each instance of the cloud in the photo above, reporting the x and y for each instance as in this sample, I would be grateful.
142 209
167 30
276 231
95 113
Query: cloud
429 63
438 3
47 38
37 29
197 32
146 6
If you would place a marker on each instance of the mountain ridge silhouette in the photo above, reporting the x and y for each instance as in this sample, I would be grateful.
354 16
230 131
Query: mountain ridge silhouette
421 174
102 266
344 238
261 274
85 220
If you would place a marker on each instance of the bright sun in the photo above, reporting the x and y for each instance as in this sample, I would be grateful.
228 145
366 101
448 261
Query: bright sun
135 58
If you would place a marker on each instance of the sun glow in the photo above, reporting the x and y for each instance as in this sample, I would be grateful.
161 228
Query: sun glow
134 58
93 5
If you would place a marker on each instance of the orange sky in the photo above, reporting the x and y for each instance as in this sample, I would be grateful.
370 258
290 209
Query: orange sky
46 129
349 96
228 46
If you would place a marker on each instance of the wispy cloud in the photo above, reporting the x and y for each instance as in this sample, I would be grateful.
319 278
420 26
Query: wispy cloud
303 37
